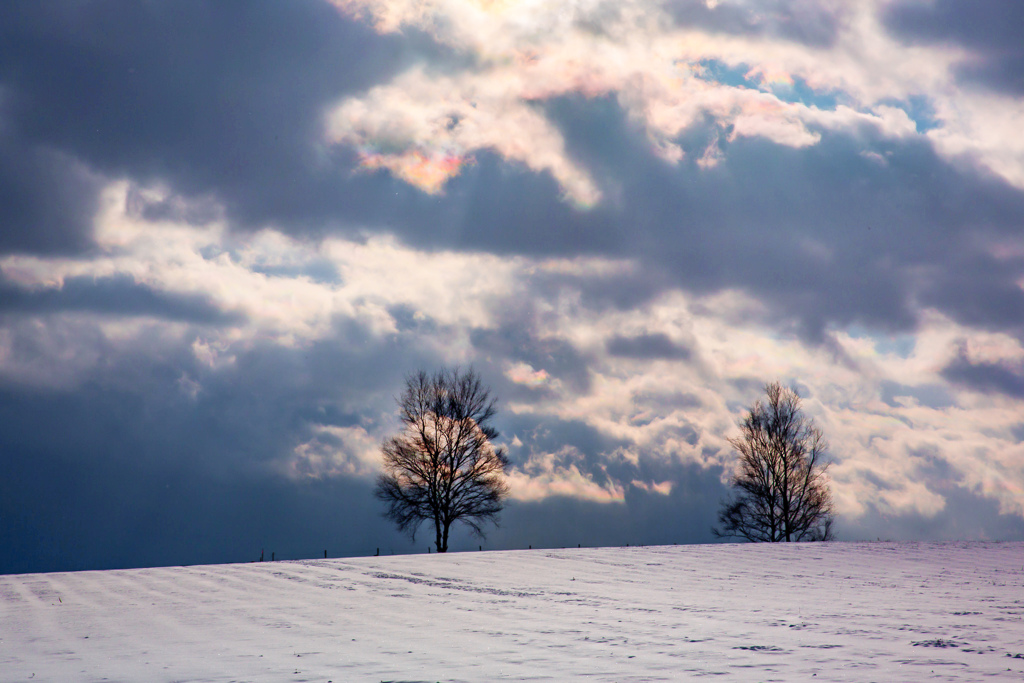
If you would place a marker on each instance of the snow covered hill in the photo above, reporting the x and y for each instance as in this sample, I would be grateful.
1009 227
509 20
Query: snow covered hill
838 611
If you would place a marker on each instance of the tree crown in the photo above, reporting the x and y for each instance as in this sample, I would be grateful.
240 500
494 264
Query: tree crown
780 484
443 465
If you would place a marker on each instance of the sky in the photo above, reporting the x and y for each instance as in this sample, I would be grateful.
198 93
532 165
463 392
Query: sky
230 231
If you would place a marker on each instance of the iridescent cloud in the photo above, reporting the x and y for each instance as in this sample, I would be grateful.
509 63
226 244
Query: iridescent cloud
667 76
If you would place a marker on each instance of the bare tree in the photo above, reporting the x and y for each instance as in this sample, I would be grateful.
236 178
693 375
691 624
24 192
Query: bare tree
442 466
781 485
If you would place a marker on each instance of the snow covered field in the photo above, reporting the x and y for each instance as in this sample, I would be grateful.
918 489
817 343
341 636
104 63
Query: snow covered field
839 611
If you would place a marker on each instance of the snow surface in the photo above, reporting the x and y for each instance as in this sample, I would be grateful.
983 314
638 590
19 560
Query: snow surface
829 612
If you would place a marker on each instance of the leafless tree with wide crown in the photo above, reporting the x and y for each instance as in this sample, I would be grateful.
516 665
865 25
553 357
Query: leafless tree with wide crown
443 466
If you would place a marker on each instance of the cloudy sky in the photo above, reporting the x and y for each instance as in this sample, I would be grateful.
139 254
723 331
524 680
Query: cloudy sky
229 230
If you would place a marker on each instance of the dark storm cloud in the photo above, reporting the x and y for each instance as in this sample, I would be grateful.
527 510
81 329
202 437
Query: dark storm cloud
546 434
63 513
647 346
492 205
992 29
1018 432
930 395
622 292
516 338
197 211
155 458
1000 378
980 291
118 295
222 97
47 199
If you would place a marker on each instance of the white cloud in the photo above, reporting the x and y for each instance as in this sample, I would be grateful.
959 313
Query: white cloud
524 373
425 126
541 477
334 451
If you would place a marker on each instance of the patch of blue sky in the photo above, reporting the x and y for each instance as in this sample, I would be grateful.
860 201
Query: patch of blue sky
920 110
720 72
800 92
901 345
931 395
212 251
319 271
794 90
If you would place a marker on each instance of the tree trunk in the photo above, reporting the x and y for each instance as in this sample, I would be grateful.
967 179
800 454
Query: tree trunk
437 537
444 537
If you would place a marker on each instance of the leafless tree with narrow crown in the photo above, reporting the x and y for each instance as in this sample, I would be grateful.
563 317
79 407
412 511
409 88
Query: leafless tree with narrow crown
781 485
